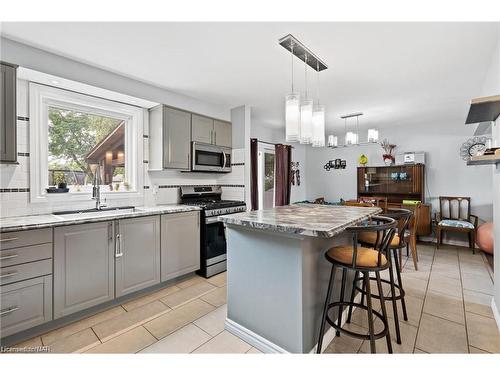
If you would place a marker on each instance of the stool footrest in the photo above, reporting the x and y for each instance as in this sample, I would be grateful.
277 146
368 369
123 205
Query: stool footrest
361 336
376 296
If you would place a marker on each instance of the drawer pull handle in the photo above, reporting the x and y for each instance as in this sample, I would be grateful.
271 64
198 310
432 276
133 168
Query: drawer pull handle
118 246
9 257
9 239
8 310
9 274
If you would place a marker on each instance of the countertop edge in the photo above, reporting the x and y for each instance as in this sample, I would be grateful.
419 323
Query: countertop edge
148 211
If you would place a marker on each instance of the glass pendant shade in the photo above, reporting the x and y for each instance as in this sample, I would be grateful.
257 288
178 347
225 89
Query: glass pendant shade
351 138
332 141
292 117
372 135
306 112
318 126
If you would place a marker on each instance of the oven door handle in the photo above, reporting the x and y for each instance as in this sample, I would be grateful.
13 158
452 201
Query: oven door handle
212 219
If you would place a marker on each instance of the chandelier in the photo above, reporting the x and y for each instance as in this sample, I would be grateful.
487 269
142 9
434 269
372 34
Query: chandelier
304 120
351 137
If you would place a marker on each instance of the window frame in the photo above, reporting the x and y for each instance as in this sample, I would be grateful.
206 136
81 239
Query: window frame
41 97
262 150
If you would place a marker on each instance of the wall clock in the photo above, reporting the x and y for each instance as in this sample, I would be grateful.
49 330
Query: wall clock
472 147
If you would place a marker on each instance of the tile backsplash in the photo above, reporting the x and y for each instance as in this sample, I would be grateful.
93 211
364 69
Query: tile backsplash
160 187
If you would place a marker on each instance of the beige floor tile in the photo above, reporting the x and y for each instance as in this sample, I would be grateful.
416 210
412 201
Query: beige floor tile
224 342
413 310
218 280
444 306
130 342
446 270
213 323
478 303
178 318
474 350
418 351
182 341
254 351
474 268
483 333
467 256
144 300
436 335
31 343
420 274
408 335
76 343
345 344
217 297
80 325
113 327
414 287
445 285
477 283
190 280
187 294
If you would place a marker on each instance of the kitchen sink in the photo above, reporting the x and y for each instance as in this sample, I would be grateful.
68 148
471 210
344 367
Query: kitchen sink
93 212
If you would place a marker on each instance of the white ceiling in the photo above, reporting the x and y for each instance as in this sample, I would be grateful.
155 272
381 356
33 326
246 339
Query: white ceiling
396 73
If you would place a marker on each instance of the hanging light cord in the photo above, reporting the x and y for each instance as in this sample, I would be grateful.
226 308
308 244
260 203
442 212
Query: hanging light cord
305 71
317 70
291 46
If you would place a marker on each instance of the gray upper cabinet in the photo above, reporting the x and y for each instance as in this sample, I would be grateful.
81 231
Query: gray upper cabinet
83 266
202 129
8 115
169 138
223 133
137 254
180 244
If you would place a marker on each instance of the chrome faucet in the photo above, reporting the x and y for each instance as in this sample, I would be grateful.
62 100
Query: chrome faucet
96 188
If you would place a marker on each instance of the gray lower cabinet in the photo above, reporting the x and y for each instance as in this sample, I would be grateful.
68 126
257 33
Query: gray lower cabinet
25 304
8 115
84 270
137 254
180 244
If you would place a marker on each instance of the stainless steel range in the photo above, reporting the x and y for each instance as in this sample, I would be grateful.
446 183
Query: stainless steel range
213 236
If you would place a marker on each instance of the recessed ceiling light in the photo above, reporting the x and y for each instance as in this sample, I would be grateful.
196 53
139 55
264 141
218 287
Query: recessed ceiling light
54 82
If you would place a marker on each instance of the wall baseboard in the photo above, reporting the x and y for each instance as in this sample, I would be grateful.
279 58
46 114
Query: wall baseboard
252 338
496 313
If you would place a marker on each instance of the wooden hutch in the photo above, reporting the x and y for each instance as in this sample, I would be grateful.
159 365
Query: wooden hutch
397 183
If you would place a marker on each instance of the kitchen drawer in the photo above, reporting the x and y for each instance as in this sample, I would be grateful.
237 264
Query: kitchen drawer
25 304
25 254
25 238
25 271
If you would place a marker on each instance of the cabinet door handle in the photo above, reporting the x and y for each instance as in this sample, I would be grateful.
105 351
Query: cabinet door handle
215 137
9 274
8 310
9 239
211 137
118 246
9 257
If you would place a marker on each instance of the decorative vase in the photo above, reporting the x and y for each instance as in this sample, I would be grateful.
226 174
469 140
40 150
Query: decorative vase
388 159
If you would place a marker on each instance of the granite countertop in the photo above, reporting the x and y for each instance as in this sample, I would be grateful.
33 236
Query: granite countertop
16 223
304 219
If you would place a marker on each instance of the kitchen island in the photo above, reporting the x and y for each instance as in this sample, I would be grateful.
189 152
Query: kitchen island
277 274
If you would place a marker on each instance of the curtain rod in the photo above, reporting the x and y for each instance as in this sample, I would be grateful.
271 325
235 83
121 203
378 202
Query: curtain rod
274 144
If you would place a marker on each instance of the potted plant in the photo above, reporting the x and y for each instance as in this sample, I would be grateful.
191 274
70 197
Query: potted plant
60 180
388 150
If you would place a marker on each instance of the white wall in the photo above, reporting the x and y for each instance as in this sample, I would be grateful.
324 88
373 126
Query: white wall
446 172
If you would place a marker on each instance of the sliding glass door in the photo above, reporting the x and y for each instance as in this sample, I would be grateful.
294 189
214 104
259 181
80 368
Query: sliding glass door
267 170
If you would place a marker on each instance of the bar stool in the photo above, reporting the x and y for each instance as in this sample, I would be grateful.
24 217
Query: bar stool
360 260
398 242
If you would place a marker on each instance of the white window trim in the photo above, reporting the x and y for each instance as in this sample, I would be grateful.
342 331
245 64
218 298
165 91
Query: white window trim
41 97
262 149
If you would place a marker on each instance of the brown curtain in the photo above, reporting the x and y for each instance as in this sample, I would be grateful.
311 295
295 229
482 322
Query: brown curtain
283 155
254 165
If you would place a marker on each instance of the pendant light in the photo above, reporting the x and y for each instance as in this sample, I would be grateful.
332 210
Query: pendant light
372 135
306 112
318 121
332 141
351 138
292 112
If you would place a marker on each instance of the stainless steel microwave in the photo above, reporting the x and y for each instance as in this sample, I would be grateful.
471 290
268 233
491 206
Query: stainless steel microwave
210 158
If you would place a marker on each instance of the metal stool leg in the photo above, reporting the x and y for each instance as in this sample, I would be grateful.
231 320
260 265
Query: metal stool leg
401 289
339 320
370 312
393 294
325 309
352 297
363 287
384 312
